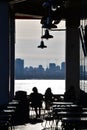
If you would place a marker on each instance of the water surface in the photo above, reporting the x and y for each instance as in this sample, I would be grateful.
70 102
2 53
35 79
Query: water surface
57 86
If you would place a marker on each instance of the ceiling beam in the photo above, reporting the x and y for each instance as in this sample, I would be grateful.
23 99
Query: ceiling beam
16 1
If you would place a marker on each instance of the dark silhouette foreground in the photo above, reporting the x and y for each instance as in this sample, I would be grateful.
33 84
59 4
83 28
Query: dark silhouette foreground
36 100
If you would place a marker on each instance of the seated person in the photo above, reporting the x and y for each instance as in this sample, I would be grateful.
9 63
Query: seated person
48 98
36 101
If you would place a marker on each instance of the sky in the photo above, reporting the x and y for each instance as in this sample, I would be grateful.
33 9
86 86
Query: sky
28 37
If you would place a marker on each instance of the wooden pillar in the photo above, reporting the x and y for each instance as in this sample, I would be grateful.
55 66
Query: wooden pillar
11 54
4 53
73 55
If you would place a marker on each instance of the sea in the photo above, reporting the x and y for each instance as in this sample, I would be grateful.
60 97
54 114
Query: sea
57 86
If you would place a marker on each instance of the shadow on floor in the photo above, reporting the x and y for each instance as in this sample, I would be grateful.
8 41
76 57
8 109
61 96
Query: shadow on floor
30 120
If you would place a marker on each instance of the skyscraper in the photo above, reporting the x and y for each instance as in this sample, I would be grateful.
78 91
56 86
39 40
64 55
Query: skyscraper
19 68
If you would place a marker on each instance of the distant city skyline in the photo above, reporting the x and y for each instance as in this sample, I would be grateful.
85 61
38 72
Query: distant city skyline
22 60
28 37
53 71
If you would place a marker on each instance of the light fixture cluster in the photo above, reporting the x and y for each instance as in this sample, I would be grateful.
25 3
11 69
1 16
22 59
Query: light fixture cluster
42 46
47 21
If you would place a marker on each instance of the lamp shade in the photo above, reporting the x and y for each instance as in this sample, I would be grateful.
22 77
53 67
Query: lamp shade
42 45
47 35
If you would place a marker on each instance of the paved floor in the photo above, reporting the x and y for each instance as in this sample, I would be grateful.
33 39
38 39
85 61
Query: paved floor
29 126
37 126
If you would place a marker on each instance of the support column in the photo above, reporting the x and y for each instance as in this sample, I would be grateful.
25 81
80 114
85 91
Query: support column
4 53
73 55
11 54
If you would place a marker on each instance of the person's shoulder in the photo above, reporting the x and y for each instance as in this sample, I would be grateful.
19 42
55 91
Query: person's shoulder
31 94
40 95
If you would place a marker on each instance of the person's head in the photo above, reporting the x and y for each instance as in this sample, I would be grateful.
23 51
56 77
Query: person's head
48 89
34 90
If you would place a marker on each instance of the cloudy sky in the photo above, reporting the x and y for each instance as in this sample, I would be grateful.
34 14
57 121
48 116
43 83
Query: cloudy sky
28 37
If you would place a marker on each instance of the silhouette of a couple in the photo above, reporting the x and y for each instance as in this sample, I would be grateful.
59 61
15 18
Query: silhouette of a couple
36 100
